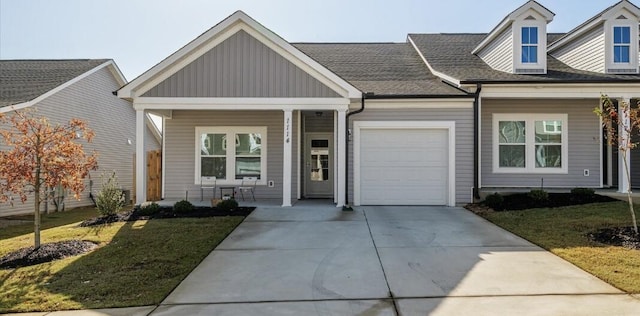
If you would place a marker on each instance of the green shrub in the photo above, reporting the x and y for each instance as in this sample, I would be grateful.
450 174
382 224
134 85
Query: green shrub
183 206
227 205
110 199
494 201
583 191
148 208
538 195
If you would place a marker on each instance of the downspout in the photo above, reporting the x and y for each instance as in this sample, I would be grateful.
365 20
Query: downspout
476 141
346 149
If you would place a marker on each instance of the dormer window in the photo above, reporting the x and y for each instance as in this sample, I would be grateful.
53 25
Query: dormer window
530 45
621 44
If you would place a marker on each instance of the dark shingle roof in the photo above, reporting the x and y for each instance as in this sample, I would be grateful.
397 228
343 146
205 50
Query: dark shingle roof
451 55
24 80
381 68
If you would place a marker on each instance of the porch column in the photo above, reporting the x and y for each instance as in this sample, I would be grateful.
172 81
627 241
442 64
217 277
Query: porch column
625 138
342 161
286 161
141 167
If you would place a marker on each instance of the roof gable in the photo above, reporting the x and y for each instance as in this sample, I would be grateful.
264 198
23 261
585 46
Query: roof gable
218 34
524 12
26 82
241 66
612 12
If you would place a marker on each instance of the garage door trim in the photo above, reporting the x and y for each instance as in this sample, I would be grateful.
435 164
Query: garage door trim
450 126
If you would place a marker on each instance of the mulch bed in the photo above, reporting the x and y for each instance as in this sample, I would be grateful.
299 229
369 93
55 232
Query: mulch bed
47 252
522 201
617 236
164 213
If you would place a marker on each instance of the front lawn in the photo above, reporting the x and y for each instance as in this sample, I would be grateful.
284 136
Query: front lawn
563 231
136 263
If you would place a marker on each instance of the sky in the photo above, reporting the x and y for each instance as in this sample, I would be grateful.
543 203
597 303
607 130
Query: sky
138 34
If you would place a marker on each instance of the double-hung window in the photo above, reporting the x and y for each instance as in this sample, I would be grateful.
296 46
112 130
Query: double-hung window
231 153
529 45
621 44
530 143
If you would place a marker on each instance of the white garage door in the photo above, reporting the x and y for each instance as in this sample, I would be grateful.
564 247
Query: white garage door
403 166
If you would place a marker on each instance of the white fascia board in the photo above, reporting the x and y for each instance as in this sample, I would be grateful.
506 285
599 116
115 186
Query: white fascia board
441 75
623 5
59 88
216 35
240 103
612 13
508 20
532 5
462 103
560 91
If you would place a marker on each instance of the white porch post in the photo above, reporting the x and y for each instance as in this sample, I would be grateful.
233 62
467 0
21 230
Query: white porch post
342 161
623 181
286 161
141 167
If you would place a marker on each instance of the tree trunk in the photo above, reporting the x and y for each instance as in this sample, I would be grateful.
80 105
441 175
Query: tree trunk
36 215
630 200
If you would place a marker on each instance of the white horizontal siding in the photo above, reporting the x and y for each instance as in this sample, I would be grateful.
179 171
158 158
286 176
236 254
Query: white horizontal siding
585 53
180 149
113 121
464 140
583 142
499 53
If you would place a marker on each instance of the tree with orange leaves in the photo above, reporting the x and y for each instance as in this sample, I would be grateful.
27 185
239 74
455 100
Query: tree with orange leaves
42 155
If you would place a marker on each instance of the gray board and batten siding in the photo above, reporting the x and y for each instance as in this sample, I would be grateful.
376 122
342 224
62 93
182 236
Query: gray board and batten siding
463 118
584 143
241 66
180 140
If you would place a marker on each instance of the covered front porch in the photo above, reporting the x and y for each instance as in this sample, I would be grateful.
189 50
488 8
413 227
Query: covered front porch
281 146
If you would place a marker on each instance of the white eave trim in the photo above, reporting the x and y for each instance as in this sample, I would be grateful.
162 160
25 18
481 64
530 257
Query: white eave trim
441 75
112 67
508 20
560 91
203 43
148 103
608 14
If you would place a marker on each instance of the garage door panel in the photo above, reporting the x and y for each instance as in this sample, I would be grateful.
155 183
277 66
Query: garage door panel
404 166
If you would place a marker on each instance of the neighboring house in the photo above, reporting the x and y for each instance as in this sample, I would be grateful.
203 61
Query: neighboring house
65 89
428 122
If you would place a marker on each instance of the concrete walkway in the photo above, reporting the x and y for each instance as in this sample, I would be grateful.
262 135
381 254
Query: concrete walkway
318 260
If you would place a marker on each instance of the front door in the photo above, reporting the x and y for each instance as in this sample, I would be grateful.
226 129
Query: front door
318 162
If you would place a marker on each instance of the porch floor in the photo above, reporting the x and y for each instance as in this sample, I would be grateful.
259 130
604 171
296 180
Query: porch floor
257 203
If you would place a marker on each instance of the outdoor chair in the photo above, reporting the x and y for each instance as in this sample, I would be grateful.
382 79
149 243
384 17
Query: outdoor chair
207 183
248 185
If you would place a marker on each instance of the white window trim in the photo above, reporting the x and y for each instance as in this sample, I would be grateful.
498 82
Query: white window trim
632 65
613 45
541 23
231 153
536 45
530 143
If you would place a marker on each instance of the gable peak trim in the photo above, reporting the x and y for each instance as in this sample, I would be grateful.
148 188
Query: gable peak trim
217 34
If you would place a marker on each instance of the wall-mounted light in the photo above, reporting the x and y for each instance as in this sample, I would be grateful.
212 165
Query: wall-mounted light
129 142
319 114
78 134
349 134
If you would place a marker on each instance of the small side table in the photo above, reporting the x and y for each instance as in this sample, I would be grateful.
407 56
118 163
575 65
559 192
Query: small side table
232 189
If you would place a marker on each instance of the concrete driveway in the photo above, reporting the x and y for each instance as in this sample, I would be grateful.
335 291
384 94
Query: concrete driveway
317 260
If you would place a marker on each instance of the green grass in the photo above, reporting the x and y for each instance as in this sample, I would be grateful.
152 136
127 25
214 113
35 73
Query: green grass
563 231
137 263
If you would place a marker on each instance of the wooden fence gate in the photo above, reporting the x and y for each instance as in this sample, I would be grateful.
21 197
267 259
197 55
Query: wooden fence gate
154 175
